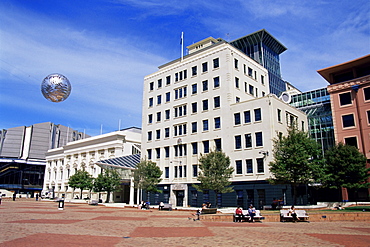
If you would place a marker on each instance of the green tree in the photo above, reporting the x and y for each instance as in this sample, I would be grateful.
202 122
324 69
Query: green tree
297 160
82 180
215 173
147 176
109 180
345 167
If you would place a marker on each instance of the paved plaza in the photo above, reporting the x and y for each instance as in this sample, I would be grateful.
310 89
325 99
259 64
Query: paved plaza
41 223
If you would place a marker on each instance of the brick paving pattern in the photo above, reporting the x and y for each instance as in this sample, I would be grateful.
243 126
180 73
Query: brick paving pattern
40 223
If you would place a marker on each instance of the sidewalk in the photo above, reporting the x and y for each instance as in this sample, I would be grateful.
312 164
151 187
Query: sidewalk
31 223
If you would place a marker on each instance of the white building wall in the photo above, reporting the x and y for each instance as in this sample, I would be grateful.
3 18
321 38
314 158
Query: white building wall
233 97
61 163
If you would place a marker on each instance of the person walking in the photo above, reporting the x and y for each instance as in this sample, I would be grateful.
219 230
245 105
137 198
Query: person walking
37 197
14 195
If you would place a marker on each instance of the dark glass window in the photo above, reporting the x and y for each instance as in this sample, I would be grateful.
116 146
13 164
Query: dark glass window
168 80
367 93
151 86
259 141
150 118
238 142
194 146
195 171
248 140
167 132
257 114
150 102
159 83
348 121
194 89
368 117
218 144
217 122
158 134
194 107
204 67
205 105
237 118
216 82
247 117
345 98
167 151
206 146
205 85
351 141
149 151
238 165
217 101
150 136
194 71
260 166
249 164
194 127
158 116
216 63
236 63
167 172
167 112
158 153
205 125
237 82
168 96
159 99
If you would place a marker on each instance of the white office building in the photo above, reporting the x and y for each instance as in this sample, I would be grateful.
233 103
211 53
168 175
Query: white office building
119 149
214 98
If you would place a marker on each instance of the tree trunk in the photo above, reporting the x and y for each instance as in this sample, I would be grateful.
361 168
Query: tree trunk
108 196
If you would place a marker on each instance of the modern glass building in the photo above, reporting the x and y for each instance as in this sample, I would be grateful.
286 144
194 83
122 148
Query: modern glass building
316 104
265 49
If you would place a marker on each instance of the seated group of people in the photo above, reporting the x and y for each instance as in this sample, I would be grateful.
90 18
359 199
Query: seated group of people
144 205
239 216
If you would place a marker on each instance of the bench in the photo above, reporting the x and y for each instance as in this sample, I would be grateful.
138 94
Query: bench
257 217
209 210
301 215
94 202
167 206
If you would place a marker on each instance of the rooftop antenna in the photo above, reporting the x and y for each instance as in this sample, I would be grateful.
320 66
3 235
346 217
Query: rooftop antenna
119 124
101 129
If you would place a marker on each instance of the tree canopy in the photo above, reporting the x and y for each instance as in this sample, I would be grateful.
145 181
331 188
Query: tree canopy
345 167
215 173
109 181
297 160
147 176
81 180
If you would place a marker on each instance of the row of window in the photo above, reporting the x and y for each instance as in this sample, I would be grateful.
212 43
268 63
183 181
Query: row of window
349 120
181 129
346 98
182 75
248 167
181 110
181 149
247 116
248 140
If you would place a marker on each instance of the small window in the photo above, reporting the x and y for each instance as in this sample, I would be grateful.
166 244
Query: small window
194 88
205 125
205 105
205 85
237 82
206 146
260 165
367 93
259 140
194 146
168 96
247 117
216 63
158 153
194 71
167 172
149 152
236 63
249 165
195 171
151 86
159 83
368 117
158 116
248 140
216 101
150 136
216 82
279 115
167 113
351 141
251 90
237 118
204 67
238 142
218 144
257 114
348 121
159 99
238 165
158 134
217 123
167 132
345 99
194 127
150 102
194 107
150 118
168 80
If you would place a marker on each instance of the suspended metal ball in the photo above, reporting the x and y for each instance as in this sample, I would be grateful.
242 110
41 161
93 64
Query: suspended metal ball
56 87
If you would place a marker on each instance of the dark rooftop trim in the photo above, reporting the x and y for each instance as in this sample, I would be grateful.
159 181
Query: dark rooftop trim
126 162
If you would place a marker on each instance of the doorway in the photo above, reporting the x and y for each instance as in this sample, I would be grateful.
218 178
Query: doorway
180 198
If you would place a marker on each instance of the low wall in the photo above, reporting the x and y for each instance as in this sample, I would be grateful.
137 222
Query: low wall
317 217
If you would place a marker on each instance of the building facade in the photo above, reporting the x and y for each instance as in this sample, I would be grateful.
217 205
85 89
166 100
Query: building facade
215 98
90 155
22 154
349 91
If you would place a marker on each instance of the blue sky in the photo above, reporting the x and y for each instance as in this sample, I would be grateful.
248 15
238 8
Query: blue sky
106 47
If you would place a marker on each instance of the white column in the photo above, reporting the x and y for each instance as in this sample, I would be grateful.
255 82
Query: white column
132 192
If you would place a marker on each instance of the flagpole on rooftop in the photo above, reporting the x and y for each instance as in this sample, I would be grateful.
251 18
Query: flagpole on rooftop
182 46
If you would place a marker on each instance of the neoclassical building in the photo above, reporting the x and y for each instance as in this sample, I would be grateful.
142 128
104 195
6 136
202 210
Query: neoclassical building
119 149
216 98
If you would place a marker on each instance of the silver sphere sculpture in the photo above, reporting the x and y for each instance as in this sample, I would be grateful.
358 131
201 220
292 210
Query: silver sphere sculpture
56 87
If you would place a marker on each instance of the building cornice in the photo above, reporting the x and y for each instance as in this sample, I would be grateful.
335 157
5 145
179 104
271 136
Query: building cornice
343 86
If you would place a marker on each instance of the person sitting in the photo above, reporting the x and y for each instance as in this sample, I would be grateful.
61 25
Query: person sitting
252 213
239 215
161 206
293 213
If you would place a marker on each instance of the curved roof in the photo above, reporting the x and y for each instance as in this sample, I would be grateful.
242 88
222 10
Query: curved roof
125 162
